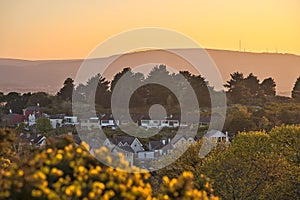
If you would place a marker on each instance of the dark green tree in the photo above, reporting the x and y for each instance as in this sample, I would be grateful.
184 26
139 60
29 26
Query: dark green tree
252 83
2 97
200 86
16 102
268 87
43 125
296 90
41 98
118 76
66 91
237 89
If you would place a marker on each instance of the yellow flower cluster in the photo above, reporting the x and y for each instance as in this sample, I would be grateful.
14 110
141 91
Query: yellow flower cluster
72 173
182 188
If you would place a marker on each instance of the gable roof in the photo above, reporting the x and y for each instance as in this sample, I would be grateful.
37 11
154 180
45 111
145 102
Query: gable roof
33 108
156 145
123 139
179 136
214 134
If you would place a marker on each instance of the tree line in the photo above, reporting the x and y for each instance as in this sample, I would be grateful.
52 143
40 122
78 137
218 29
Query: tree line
253 104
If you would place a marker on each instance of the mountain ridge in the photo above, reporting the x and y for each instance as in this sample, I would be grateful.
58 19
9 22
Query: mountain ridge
48 75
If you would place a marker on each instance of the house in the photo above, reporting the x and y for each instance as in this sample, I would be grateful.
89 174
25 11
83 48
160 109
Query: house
155 145
127 151
160 148
217 136
31 119
204 121
146 122
56 120
181 139
12 119
170 122
145 155
36 110
39 141
70 120
89 123
109 121
122 141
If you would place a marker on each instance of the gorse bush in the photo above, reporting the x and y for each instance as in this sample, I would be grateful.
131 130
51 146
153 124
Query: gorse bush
64 170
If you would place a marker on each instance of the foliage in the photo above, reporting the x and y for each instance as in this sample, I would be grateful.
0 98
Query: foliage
66 91
254 168
65 171
268 87
296 90
43 125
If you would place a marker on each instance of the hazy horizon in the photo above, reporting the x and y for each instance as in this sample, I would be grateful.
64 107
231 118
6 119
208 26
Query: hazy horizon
282 67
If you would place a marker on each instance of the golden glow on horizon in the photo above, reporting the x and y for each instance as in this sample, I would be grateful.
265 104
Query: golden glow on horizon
48 29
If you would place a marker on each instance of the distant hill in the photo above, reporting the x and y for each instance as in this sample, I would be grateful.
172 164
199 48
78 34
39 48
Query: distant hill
49 75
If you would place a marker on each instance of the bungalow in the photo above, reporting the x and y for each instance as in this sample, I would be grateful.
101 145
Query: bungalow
146 122
109 121
170 122
70 120
56 120
90 123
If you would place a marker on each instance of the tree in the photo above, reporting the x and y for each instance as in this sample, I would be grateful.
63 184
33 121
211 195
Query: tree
251 169
118 76
41 98
16 102
156 93
296 90
66 91
200 86
43 125
2 97
252 83
239 118
237 89
268 87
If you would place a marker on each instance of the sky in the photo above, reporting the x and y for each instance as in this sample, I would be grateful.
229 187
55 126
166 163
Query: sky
61 29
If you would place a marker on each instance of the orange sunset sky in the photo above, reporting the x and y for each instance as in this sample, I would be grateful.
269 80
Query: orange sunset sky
60 29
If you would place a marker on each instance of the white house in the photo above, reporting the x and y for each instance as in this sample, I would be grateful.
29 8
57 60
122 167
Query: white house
31 119
56 120
90 123
55 123
170 123
109 121
216 135
70 120
149 123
